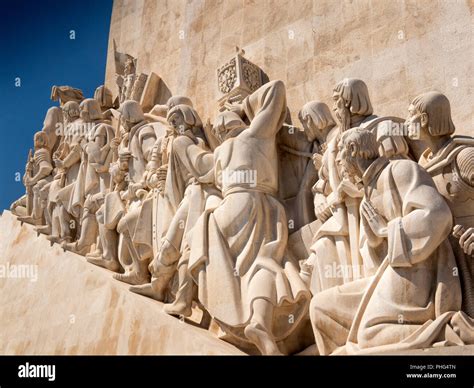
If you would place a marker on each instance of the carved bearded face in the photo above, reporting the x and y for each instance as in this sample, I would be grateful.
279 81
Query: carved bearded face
347 162
341 110
176 121
416 123
311 130
39 140
127 125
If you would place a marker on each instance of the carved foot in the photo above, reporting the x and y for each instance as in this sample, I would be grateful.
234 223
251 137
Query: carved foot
155 290
132 278
74 247
260 338
146 290
97 253
30 220
53 239
178 309
45 229
111 265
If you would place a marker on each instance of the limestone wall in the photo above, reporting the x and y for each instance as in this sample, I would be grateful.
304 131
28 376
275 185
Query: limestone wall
399 47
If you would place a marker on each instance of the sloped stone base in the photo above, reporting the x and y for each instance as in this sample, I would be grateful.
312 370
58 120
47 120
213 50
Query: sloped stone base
74 307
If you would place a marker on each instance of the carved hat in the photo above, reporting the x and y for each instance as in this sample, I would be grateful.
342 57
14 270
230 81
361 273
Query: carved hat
356 94
436 105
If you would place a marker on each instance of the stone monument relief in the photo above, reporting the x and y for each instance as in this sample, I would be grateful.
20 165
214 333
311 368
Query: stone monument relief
335 225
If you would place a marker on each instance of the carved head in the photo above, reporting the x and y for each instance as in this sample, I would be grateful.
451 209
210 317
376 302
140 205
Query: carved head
429 114
71 111
129 67
316 118
351 98
182 118
178 100
117 172
226 124
90 110
357 149
40 140
131 114
104 96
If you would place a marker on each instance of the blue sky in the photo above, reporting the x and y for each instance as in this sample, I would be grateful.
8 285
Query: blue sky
36 47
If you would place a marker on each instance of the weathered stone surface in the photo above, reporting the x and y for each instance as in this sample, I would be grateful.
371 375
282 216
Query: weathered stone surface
401 48
77 308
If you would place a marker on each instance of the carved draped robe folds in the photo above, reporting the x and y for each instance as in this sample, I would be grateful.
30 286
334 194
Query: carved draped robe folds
238 249
413 300
195 163
447 174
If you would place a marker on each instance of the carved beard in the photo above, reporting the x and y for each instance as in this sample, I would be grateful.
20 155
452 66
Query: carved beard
344 118
350 169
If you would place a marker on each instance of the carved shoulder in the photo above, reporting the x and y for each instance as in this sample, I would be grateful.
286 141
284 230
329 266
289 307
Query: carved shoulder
465 165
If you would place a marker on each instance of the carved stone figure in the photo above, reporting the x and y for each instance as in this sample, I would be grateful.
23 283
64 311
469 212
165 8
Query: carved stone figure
170 183
450 161
38 169
52 125
319 128
335 257
192 158
83 197
104 96
238 249
67 158
413 299
134 149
